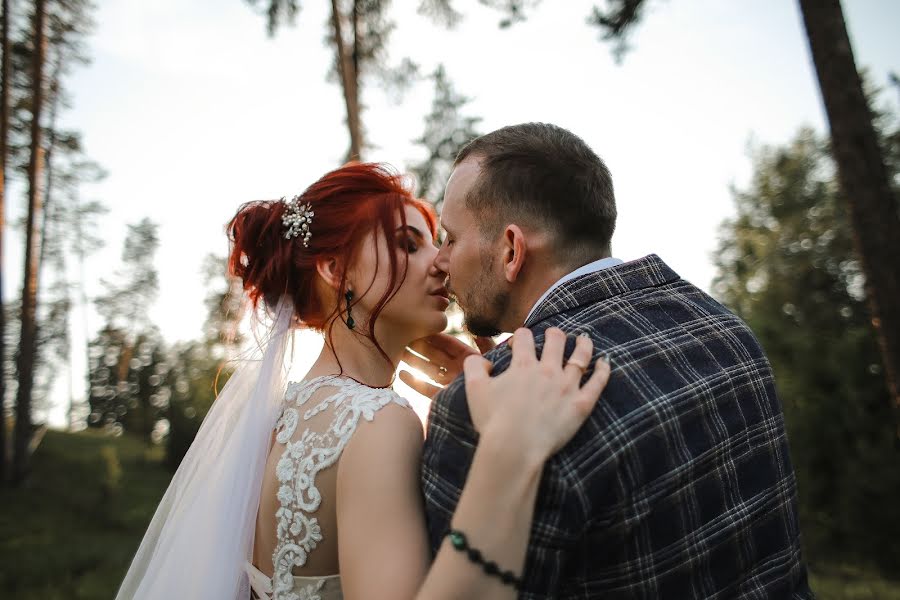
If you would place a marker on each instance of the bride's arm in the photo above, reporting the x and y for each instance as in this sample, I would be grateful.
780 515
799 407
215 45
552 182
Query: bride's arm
381 525
495 512
382 545
535 408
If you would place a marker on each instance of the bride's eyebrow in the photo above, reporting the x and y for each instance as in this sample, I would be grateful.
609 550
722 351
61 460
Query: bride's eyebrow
415 231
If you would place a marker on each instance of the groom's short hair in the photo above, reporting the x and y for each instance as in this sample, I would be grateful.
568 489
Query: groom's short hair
547 177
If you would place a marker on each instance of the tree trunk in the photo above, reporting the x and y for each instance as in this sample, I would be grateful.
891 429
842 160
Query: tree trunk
54 99
349 80
4 137
862 174
82 296
27 341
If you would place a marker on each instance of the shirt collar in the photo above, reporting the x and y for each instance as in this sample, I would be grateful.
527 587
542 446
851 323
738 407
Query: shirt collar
592 267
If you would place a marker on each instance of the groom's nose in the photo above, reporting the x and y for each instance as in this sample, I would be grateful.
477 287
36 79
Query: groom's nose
442 260
436 271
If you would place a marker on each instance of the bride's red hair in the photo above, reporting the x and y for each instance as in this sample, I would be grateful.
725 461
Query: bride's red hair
348 203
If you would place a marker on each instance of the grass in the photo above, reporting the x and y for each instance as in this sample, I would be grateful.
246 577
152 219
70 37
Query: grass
71 531
849 582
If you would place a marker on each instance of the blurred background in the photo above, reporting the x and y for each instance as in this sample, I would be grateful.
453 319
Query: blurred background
755 146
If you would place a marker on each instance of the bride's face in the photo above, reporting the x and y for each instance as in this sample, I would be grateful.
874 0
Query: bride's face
417 308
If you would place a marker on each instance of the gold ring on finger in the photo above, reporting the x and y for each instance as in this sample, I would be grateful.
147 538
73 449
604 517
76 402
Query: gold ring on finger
442 372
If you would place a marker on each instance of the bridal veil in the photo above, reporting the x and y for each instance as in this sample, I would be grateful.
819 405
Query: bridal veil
202 532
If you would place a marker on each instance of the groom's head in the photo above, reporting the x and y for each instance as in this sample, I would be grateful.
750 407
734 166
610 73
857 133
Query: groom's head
524 203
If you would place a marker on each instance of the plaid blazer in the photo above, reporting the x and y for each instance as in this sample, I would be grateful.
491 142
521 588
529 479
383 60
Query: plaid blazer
680 484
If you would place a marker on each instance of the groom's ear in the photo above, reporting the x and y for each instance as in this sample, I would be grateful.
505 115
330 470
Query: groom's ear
515 250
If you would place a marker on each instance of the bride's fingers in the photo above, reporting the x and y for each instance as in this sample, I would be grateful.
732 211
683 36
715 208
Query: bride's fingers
414 360
554 345
423 387
477 370
449 345
435 371
485 344
426 348
522 346
580 359
590 392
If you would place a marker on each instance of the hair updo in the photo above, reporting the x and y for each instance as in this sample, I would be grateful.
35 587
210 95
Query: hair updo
348 203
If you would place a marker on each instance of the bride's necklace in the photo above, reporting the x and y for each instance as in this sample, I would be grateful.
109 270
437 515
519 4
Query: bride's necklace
374 387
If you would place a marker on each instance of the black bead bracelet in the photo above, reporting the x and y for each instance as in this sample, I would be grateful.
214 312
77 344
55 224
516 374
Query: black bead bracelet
459 542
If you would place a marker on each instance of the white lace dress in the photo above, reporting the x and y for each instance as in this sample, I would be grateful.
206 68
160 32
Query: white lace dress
303 457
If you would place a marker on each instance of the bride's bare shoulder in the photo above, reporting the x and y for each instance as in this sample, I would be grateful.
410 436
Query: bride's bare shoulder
393 437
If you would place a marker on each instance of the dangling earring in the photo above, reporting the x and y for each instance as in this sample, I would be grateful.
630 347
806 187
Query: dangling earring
350 322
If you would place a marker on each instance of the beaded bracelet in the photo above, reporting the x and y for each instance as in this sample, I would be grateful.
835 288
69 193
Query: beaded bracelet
459 542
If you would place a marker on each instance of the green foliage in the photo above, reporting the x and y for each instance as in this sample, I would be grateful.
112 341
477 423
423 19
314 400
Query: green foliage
137 383
786 264
617 22
278 12
836 581
112 471
358 32
127 301
201 368
129 377
514 11
441 12
447 130
60 537
198 376
128 360
67 223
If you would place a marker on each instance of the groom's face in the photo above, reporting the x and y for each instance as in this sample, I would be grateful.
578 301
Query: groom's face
470 260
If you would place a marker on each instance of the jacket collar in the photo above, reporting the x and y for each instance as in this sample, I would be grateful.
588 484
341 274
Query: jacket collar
598 286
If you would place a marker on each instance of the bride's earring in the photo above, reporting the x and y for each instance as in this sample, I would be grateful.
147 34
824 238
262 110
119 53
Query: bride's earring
350 322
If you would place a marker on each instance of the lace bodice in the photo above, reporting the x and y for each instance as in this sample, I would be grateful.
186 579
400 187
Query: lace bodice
307 454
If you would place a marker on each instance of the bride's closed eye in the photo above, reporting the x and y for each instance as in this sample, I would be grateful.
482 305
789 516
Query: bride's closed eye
409 238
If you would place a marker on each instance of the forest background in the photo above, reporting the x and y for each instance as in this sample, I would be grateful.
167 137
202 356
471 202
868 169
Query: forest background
750 149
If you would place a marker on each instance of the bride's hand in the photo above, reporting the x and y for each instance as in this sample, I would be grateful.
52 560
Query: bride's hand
538 404
440 357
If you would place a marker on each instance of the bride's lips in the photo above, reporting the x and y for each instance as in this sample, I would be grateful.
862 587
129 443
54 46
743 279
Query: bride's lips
443 295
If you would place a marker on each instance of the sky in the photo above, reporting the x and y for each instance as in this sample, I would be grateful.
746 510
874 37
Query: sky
193 109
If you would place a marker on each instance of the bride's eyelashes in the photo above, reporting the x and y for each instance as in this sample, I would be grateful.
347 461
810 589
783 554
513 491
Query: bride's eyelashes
410 240
407 243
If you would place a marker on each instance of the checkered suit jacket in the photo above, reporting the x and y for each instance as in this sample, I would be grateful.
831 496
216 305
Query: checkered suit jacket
679 485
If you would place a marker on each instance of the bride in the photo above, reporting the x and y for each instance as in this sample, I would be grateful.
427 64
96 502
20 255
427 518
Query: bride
310 490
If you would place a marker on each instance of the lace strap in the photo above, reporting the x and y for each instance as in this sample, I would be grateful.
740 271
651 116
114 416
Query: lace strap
260 584
299 392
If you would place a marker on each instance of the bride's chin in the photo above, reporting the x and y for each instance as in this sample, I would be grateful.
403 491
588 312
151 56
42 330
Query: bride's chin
435 324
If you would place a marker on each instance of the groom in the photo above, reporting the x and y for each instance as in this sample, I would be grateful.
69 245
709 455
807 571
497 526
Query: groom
680 484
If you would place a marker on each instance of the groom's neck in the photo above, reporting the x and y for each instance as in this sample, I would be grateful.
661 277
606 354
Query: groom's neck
537 281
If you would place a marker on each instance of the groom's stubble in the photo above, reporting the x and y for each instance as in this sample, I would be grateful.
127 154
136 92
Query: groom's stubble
487 302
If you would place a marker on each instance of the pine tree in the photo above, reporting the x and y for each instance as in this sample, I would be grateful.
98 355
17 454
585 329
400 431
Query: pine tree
447 130
28 329
129 363
786 264
4 141
359 33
